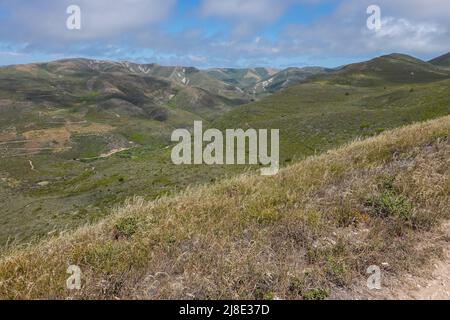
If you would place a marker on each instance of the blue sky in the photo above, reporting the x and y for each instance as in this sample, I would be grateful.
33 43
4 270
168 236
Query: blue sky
222 33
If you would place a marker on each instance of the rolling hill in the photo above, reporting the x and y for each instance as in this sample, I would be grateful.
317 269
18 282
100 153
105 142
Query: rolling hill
393 68
443 61
310 232
50 95
363 99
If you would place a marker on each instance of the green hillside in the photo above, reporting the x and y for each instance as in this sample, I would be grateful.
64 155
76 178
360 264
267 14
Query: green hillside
443 61
394 68
332 109
79 137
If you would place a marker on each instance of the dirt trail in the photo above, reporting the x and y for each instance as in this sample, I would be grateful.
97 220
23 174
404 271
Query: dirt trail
113 152
438 286
31 165
108 154
433 287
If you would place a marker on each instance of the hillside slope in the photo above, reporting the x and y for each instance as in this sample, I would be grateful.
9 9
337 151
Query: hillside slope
443 61
119 105
326 112
390 69
310 232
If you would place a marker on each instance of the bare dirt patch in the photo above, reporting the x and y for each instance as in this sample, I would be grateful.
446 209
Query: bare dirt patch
27 68
59 138
434 284
430 283
8 135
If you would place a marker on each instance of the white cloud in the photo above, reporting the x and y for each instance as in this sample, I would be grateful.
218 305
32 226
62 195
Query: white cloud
126 29
197 59
247 15
404 29
10 53
414 35
254 10
46 19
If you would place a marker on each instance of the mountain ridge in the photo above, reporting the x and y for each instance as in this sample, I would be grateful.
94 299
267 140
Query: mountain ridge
443 61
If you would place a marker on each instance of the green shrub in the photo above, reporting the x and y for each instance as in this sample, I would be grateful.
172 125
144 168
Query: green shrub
269 296
364 125
125 228
316 294
337 270
389 204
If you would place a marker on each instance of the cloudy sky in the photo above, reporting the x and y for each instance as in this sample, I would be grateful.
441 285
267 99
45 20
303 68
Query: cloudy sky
226 33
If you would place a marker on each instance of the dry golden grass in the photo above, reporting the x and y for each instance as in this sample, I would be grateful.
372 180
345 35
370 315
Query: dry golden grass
309 232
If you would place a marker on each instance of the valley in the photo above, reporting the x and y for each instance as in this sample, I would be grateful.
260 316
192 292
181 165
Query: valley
98 133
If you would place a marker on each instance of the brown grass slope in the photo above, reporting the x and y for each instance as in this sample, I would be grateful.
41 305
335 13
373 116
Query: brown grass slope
308 233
